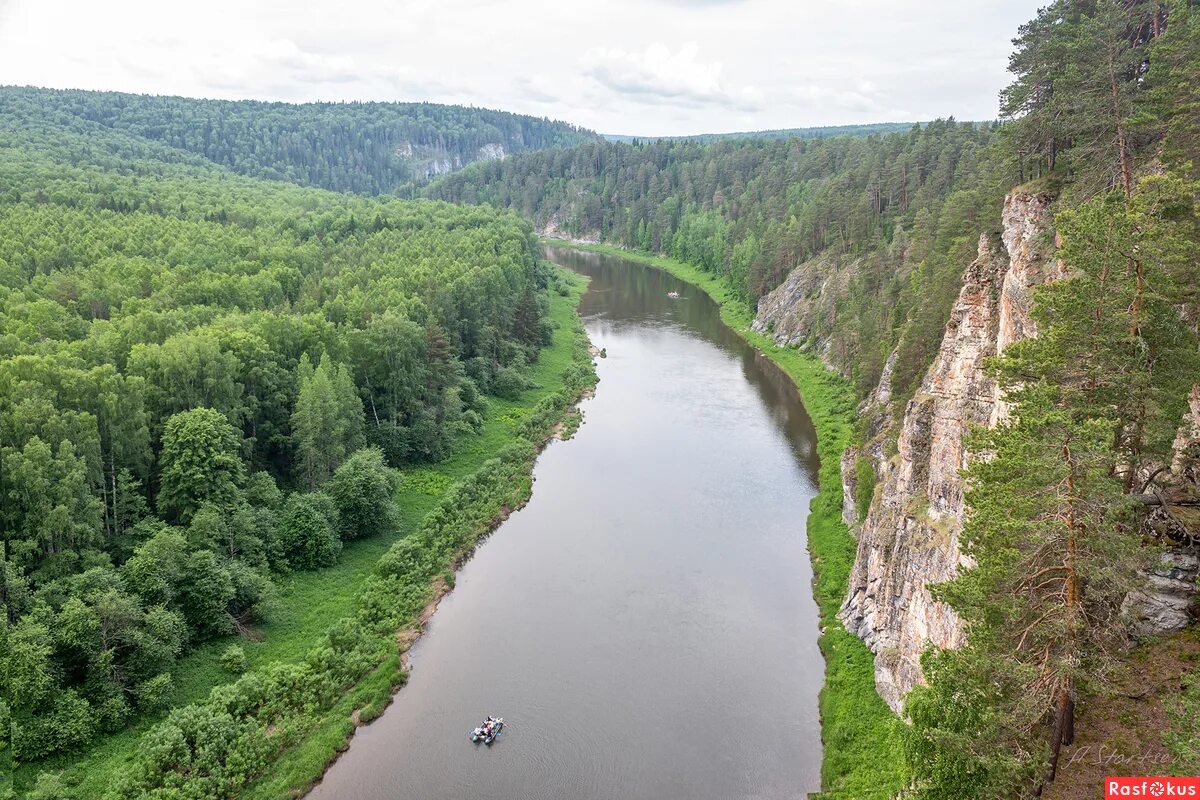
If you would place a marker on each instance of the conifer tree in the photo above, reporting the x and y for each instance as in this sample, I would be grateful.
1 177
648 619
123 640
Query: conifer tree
327 424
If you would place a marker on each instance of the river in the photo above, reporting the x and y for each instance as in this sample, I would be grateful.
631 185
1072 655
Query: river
646 622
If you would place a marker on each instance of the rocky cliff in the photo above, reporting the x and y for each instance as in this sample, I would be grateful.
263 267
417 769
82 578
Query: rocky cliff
801 310
428 161
909 538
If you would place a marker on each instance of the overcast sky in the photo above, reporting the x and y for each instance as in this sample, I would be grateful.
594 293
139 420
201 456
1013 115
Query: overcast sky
648 67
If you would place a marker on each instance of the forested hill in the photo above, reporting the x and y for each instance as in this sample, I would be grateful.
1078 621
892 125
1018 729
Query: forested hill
369 148
814 132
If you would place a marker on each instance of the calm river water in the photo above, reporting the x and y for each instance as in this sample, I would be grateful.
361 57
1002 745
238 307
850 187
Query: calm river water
646 622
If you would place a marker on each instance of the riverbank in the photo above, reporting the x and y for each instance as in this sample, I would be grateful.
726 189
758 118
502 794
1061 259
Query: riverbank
447 538
492 468
861 746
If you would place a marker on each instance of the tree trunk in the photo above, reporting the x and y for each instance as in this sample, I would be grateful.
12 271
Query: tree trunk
1119 124
1063 732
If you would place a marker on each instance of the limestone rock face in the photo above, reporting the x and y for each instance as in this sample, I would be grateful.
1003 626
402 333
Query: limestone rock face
492 151
1166 602
1027 222
849 486
909 539
802 309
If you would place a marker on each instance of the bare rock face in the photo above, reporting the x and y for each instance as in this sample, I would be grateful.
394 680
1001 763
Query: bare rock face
1027 224
849 469
909 539
552 229
802 309
1167 600
492 151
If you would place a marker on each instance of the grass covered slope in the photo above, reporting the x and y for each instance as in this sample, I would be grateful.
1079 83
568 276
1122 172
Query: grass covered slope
862 759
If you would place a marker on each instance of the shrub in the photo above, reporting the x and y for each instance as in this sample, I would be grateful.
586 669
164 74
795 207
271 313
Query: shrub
508 383
234 659
155 694
363 491
305 533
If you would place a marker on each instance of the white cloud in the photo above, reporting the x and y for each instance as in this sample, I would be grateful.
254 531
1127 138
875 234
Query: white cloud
659 73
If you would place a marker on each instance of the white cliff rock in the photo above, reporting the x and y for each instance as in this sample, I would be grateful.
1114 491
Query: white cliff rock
909 539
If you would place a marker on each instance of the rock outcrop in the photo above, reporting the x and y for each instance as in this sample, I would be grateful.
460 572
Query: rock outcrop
801 310
430 161
553 229
909 539
1167 601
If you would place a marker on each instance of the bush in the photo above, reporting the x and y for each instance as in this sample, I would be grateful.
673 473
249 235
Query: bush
473 419
394 440
305 533
363 491
234 659
509 383
50 786
155 694
68 722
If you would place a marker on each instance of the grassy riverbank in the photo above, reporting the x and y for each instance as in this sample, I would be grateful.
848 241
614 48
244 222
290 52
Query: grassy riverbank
488 476
862 752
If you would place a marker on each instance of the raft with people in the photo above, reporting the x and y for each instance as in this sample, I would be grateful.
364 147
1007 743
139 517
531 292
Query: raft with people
488 731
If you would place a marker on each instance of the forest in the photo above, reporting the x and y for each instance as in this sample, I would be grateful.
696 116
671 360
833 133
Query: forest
368 148
813 132
208 382
905 209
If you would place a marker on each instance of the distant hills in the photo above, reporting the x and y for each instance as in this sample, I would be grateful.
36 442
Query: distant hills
820 132
369 148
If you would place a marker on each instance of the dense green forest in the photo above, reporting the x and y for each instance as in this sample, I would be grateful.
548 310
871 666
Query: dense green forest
208 382
814 132
1103 116
369 148
905 209
212 379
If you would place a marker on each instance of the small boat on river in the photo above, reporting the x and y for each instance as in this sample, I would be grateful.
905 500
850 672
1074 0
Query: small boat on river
488 731
673 295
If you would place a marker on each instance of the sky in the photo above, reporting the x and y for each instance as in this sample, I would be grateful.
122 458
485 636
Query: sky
642 67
